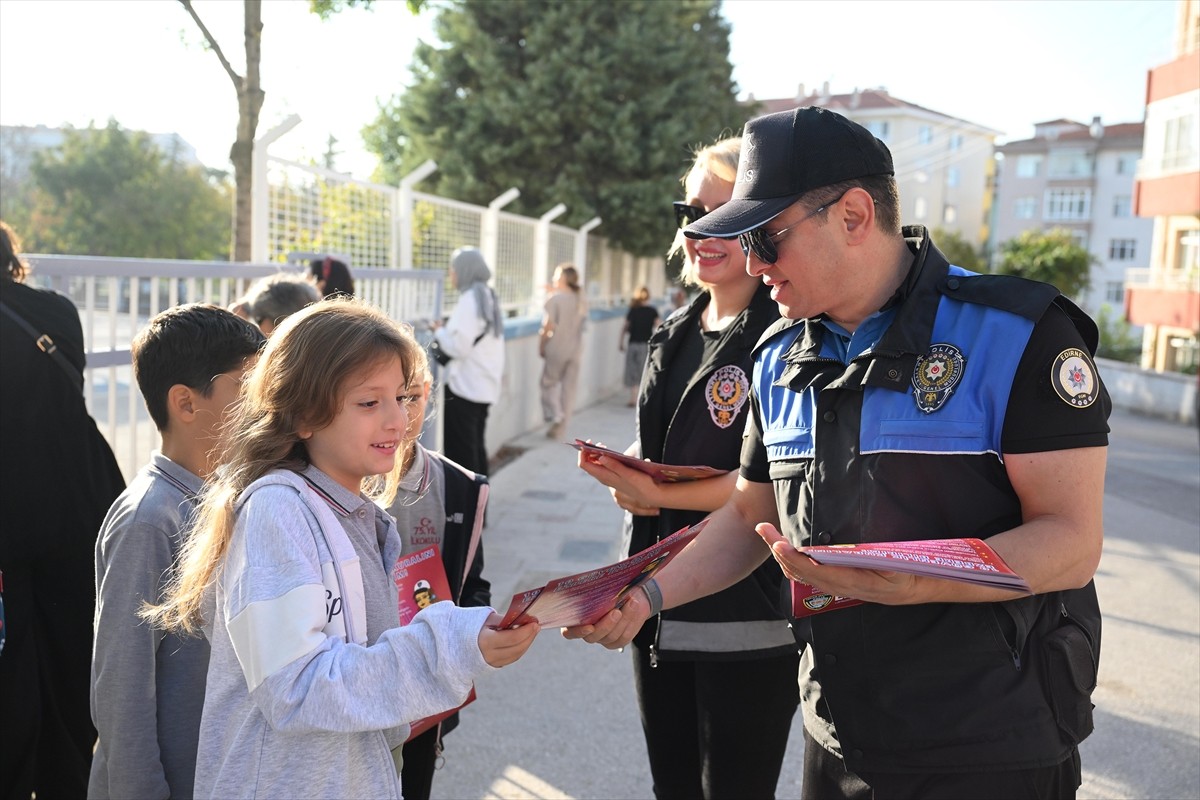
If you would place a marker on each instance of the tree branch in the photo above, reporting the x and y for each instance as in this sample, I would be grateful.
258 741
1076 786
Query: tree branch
237 79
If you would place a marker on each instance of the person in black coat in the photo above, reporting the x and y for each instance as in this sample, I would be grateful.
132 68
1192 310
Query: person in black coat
58 476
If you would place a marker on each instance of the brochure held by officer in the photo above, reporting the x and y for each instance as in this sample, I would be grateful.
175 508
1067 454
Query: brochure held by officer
584 598
661 473
969 560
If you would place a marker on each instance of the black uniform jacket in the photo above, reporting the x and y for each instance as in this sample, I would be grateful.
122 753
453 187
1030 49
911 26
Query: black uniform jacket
941 687
745 620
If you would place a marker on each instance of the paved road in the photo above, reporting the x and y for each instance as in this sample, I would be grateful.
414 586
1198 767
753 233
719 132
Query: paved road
563 723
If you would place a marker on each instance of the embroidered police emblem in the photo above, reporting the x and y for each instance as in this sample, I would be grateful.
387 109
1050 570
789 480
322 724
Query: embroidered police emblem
1073 377
726 393
936 375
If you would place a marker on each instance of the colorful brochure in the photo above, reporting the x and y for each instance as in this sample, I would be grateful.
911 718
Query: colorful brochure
661 473
585 598
969 560
421 580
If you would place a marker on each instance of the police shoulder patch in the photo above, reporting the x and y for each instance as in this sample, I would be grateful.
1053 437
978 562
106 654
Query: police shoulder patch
1073 376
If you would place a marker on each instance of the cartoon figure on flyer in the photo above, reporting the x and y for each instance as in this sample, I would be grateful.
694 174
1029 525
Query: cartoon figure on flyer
424 595
646 573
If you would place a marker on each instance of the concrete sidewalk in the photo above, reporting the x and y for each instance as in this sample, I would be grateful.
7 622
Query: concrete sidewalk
563 721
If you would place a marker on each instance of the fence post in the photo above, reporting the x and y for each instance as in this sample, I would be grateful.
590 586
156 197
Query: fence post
581 247
260 190
541 255
489 233
404 219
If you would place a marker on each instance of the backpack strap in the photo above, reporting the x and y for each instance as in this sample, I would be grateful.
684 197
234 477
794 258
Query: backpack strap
44 343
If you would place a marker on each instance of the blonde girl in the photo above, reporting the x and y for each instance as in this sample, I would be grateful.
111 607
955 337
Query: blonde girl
311 683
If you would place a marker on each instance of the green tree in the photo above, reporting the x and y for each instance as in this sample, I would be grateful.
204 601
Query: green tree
250 96
958 250
111 192
1049 256
595 105
1117 341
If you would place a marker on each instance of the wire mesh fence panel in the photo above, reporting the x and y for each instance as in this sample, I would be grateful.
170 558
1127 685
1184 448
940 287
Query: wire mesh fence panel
515 282
313 209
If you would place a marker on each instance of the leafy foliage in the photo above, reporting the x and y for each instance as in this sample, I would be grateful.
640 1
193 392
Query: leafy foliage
111 192
957 249
595 105
1049 256
1117 341
327 8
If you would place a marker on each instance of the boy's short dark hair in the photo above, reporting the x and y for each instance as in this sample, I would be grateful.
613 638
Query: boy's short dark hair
189 344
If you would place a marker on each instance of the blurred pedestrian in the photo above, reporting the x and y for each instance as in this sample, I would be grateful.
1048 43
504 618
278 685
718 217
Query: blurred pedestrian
270 300
331 276
472 344
640 321
560 344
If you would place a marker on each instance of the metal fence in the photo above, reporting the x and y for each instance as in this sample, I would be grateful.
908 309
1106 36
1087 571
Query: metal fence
304 207
396 241
117 296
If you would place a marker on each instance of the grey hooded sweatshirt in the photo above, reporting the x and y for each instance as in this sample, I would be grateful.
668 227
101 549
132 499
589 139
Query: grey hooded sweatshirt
300 701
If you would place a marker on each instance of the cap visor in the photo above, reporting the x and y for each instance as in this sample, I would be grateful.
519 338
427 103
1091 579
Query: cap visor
737 217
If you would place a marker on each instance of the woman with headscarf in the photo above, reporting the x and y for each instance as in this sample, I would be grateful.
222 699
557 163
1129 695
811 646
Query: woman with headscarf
473 338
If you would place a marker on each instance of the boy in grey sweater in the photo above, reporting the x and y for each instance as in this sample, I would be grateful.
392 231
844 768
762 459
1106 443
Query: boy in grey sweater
147 684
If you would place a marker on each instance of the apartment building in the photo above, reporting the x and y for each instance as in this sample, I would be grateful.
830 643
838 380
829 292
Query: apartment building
943 164
1079 177
1165 297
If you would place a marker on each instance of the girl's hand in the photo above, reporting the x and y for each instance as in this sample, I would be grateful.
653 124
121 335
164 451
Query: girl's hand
501 648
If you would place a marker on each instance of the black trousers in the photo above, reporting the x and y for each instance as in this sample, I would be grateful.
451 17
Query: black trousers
826 778
45 679
464 429
716 729
420 760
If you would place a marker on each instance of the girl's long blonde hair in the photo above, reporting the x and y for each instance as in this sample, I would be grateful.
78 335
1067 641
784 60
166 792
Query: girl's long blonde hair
299 382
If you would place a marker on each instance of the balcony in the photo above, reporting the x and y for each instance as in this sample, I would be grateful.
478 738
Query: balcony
1166 298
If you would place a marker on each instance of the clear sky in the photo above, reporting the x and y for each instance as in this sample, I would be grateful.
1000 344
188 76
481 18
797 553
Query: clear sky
1004 64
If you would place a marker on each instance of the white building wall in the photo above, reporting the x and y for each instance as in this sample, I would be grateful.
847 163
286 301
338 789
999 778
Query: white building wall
1113 195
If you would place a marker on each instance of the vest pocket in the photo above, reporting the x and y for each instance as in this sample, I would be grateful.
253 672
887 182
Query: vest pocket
1070 676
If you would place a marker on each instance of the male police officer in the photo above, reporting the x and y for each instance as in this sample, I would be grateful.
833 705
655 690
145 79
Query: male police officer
902 399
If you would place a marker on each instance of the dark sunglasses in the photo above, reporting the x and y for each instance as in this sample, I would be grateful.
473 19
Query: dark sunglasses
762 243
686 215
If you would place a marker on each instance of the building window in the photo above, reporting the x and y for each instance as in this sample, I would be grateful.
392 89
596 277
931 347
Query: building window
1080 238
1122 205
1025 207
879 129
920 208
956 141
949 214
925 134
1114 292
952 177
1187 251
1068 204
1122 249
1124 165
1069 164
1179 146
1028 166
